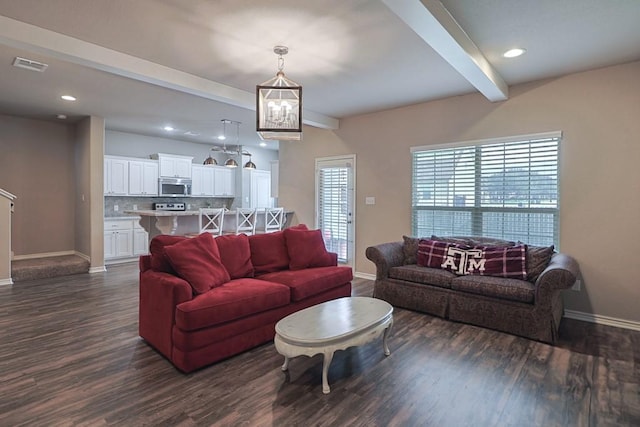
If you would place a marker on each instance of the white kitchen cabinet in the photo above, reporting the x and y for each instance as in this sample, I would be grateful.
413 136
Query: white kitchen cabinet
140 240
224 181
143 178
116 176
256 185
118 238
174 166
203 180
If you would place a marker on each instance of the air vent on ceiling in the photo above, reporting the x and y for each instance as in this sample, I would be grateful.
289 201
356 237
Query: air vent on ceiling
29 64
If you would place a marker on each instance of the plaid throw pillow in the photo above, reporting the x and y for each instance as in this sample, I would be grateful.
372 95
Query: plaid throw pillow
498 261
432 253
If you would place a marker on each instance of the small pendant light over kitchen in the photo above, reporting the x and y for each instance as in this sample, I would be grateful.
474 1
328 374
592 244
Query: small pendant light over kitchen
279 105
249 164
210 161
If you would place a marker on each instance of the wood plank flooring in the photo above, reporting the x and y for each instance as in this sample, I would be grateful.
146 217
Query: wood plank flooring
70 355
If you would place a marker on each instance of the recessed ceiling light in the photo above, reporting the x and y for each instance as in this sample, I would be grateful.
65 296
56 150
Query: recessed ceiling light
263 144
168 128
222 137
61 116
68 97
513 53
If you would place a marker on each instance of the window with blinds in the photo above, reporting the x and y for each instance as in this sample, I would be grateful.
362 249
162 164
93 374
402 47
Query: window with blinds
505 188
333 212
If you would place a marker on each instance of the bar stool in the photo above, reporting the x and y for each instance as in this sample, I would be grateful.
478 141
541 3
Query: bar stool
210 220
246 221
273 220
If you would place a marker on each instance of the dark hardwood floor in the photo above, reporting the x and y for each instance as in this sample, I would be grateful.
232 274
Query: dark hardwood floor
70 355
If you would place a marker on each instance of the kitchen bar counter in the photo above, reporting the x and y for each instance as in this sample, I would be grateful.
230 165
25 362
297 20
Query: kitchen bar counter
183 222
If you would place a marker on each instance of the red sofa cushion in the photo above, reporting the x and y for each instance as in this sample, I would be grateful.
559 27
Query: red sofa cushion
159 260
235 254
197 261
310 281
233 300
306 249
269 251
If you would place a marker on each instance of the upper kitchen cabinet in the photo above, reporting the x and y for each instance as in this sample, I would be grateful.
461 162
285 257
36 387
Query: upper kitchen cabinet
224 181
143 178
116 176
174 166
203 181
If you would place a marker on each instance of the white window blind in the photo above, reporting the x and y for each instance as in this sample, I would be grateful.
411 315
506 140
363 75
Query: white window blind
506 189
333 209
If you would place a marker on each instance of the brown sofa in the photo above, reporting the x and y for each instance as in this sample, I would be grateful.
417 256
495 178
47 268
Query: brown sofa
529 308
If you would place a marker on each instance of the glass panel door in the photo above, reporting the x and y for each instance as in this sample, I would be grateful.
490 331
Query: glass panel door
334 205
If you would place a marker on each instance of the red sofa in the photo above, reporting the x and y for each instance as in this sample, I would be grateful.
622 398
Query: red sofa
205 299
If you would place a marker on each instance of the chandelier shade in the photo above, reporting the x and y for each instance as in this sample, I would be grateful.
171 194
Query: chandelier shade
279 105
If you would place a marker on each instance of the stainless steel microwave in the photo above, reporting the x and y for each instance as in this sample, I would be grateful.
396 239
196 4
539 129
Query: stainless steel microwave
174 187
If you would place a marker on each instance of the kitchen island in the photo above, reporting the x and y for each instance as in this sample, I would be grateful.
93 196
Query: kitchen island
157 222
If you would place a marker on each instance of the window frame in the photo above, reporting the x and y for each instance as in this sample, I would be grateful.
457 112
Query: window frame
476 210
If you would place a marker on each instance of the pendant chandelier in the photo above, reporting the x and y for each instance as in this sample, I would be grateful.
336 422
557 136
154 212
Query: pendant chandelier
237 151
279 105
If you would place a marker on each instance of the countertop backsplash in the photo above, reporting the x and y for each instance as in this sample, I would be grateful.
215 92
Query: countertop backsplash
145 203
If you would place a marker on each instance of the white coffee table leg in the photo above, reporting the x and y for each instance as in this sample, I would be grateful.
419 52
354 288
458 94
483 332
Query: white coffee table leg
328 356
285 365
387 332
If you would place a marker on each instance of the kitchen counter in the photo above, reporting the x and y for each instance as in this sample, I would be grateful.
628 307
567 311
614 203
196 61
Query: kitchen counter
157 222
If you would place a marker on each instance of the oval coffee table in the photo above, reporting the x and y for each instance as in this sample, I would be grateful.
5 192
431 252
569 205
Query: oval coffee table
333 325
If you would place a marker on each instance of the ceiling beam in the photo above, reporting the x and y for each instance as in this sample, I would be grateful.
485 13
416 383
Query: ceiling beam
435 25
29 37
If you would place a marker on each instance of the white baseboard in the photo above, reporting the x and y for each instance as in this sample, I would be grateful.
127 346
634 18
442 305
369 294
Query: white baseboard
100 269
43 255
364 276
83 256
602 320
4 282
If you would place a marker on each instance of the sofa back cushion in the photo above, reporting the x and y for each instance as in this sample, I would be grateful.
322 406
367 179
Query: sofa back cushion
410 249
198 262
159 260
235 254
538 258
269 251
306 249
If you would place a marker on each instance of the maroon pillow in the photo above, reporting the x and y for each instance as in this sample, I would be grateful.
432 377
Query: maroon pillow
197 261
235 254
432 253
306 249
159 260
499 261
269 251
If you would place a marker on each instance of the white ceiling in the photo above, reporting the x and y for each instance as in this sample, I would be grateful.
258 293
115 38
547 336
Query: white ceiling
146 63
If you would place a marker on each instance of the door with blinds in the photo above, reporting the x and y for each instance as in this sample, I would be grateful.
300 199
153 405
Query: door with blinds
335 214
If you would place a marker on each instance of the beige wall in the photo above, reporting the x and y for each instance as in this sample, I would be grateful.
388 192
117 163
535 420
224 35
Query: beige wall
597 111
37 165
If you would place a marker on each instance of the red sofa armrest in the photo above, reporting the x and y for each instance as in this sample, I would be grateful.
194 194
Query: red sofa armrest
144 263
334 258
160 293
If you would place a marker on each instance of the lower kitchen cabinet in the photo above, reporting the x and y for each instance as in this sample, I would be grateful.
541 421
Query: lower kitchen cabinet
140 240
124 239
